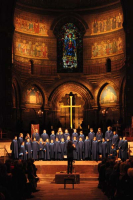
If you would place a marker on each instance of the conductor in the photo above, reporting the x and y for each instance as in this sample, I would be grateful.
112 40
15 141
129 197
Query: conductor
70 148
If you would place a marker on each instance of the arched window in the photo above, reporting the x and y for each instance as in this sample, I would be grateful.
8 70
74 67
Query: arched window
70 52
108 65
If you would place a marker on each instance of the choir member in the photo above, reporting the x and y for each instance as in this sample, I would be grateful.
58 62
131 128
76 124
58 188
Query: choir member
108 138
44 135
52 136
61 135
62 147
27 137
115 139
14 148
34 145
80 149
124 149
47 149
99 136
28 148
113 152
91 135
36 135
87 148
57 149
41 150
51 147
75 134
20 140
120 147
81 135
104 148
66 134
58 136
75 151
95 149
23 152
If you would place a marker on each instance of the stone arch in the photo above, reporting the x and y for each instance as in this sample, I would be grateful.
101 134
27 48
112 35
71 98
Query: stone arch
36 83
102 86
72 18
16 88
66 87
60 97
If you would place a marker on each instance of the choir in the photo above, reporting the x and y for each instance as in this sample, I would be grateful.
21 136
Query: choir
54 147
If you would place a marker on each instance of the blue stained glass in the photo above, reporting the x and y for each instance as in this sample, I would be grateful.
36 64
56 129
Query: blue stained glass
69 46
69 49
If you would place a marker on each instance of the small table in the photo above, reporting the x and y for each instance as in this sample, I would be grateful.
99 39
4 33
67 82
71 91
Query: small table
69 178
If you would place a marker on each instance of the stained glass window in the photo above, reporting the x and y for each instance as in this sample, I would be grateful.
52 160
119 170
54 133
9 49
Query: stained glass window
69 48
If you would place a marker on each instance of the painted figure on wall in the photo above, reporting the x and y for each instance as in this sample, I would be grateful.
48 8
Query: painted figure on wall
30 26
33 96
108 95
27 48
106 48
107 25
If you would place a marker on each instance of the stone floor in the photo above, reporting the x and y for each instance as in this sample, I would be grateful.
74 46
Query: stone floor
86 190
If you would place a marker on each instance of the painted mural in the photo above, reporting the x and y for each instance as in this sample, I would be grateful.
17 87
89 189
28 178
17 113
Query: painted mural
30 26
107 48
107 25
27 48
33 96
108 95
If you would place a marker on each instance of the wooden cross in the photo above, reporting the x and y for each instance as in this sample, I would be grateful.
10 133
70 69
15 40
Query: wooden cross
71 107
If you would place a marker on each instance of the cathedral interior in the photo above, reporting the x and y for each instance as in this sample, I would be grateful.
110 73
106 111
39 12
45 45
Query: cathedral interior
57 56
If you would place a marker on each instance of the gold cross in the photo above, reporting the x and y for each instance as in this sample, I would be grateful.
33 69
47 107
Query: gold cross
71 107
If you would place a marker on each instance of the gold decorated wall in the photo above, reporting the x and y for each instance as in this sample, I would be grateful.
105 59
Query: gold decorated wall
35 66
104 38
